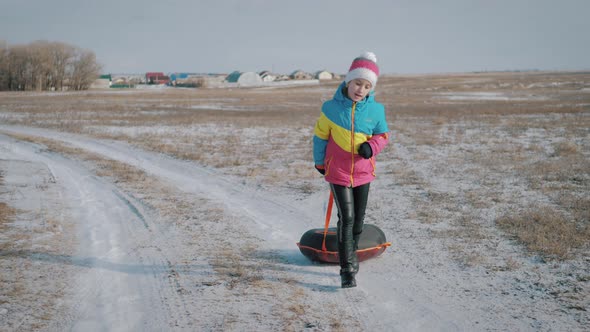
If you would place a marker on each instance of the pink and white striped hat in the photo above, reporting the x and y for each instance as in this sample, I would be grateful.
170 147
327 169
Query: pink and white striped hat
365 67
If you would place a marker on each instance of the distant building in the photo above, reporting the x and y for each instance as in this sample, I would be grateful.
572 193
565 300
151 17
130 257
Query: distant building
178 76
244 78
100 83
103 82
156 78
267 76
301 75
324 75
283 77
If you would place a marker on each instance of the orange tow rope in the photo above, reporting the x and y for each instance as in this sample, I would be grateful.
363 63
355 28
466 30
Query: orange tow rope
328 216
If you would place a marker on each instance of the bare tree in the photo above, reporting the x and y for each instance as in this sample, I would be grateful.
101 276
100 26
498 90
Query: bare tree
85 70
40 64
44 65
62 55
3 65
17 68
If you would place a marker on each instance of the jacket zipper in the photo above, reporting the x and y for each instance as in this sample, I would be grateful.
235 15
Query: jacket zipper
352 144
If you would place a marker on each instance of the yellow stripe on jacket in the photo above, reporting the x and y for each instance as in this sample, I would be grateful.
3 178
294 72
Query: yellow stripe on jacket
324 127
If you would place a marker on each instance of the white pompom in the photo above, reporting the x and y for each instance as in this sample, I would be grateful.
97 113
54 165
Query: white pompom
370 56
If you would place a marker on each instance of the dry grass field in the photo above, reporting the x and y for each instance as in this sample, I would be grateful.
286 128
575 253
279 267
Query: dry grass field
6 213
527 128
488 163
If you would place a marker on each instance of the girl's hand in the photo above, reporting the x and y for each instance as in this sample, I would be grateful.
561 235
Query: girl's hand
321 169
365 150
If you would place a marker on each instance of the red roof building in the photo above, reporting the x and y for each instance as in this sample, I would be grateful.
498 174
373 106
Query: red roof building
156 78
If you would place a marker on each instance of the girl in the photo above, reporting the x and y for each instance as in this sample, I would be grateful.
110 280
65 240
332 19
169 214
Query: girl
349 133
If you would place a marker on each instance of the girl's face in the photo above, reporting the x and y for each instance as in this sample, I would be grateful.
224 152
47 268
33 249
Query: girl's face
358 89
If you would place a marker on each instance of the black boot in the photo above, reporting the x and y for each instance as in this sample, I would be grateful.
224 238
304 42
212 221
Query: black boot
347 279
348 258
348 264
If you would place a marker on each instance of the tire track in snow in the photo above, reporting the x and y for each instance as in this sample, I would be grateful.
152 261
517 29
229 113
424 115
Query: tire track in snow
122 283
279 223
190 178
131 207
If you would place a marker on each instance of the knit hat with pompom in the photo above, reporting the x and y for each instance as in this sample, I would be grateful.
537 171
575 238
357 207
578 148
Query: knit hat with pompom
365 67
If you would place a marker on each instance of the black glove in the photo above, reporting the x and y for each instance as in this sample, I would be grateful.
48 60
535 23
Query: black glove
365 150
321 169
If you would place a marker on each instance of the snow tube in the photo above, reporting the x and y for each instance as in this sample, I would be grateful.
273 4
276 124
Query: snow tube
372 243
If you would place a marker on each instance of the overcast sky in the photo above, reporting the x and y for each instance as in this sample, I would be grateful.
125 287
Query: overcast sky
135 36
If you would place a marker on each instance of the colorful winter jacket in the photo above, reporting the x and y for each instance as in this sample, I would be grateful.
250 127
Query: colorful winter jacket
341 128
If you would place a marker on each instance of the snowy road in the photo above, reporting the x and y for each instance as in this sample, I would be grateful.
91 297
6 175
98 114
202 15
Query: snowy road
136 273
123 275
127 268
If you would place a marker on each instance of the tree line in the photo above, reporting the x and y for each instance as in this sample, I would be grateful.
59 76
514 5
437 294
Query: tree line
46 66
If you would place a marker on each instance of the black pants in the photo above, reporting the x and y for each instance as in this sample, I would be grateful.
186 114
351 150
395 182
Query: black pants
351 204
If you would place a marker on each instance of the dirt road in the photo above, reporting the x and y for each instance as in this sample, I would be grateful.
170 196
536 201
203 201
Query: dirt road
183 248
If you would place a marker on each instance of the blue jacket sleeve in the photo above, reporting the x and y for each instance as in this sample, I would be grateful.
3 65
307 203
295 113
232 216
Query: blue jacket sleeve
319 150
381 127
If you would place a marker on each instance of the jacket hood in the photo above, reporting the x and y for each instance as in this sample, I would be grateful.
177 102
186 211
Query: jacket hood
341 97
